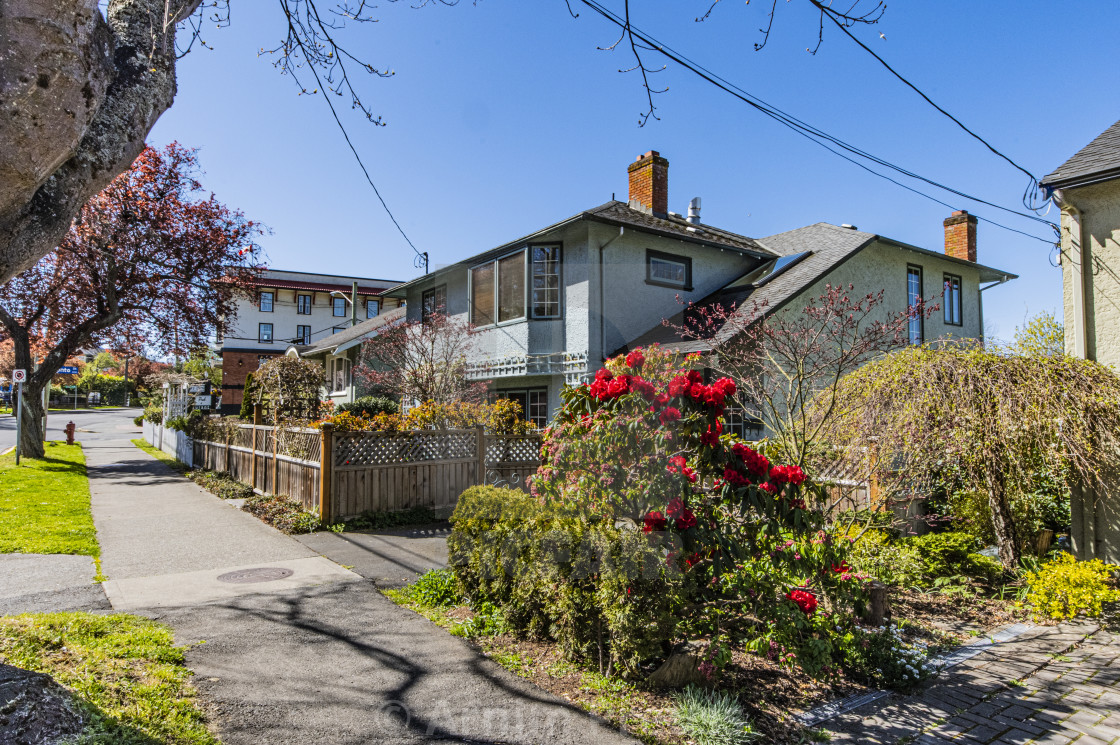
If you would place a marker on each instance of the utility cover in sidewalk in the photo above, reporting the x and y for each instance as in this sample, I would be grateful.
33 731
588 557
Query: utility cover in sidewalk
261 574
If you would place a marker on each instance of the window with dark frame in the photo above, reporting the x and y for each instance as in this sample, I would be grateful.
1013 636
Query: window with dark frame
372 308
545 281
433 302
668 270
339 375
303 305
338 307
952 300
267 299
303 334
264 333
534 404
914 304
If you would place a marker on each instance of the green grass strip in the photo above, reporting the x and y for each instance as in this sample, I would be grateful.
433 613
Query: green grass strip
125 671
44 504
174 463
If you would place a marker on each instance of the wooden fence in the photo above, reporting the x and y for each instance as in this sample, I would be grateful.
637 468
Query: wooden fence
344 474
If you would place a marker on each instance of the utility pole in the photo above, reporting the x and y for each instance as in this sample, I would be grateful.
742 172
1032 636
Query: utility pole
354 304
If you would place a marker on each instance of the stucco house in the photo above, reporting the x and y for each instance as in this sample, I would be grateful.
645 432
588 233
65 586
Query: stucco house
288 307
1087 189
552 305
338 353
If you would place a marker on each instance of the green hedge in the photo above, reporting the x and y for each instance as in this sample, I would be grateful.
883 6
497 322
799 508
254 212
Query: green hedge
601 592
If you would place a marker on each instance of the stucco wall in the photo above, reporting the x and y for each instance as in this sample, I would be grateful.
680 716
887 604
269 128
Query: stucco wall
1099 213
882 266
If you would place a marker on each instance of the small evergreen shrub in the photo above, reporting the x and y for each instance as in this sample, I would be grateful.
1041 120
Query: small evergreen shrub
435 589
713 718
370 406
1065 588
893 562
953 554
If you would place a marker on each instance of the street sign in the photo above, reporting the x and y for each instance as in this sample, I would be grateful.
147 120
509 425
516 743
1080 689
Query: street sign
68 370
19 376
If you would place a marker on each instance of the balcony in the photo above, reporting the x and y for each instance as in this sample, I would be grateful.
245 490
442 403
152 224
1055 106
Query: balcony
572 365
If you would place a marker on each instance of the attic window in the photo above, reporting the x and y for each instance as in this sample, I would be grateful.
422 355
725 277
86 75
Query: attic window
667 270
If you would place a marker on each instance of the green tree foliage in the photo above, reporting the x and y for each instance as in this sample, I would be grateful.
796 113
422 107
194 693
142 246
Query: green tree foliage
998 423
1041 336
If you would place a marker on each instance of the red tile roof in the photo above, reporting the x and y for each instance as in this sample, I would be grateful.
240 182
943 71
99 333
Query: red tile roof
298 284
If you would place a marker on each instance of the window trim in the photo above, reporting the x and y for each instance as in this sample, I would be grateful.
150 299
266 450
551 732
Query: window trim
560 281
271 334
921 317
271 301
507 392
335 306
376 304
958 306
310 303
304 338
497 284
675 258
433 291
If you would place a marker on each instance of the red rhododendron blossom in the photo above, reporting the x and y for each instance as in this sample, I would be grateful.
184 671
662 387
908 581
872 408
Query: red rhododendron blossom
678 386
757 464
768 487
686 520
841 568
711 436
635 359
787 474
670 414
805 600
643 387
735 478
674 509
726 386
654 521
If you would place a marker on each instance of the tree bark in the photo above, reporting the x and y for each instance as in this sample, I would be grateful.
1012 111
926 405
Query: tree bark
78 95
31 436
1002 522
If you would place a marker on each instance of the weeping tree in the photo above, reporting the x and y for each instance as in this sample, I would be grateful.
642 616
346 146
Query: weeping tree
290 386
995 420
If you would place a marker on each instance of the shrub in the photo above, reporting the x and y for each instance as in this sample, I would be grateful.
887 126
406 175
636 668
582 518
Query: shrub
883 656
953 554
713 718
435 589
286 515
1065 588
503 417
248 398
370 406
138 420
154 413
220 484
894 562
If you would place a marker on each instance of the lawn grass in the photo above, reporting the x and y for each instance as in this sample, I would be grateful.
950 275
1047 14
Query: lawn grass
174 463
44 504
125 671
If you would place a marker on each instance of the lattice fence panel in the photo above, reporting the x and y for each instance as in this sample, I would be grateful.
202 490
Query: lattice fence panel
513 449
380 449
242 437
300 443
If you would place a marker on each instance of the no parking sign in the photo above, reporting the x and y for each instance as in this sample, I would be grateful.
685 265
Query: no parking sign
19 376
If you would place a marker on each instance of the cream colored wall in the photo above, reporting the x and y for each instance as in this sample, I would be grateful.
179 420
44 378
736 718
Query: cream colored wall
882 266
1095 221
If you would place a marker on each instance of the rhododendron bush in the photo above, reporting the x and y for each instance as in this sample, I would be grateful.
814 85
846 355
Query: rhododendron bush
728 546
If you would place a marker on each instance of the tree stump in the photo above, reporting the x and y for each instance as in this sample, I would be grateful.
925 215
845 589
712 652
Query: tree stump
681 669
878 605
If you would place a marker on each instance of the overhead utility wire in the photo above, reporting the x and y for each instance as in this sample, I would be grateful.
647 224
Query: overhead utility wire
1033 180
802 127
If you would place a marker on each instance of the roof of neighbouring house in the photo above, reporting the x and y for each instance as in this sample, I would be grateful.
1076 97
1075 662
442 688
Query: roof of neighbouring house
1097 161
282 279
804 256
622 215
350 337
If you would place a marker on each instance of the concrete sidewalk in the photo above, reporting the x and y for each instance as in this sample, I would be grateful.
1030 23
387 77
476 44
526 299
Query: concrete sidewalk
317 655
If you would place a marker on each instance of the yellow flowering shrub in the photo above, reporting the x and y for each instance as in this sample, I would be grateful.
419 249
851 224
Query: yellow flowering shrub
1065 588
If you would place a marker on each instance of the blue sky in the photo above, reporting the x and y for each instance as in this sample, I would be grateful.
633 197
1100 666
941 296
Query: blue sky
504 117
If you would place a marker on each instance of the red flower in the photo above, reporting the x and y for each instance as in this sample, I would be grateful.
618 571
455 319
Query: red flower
654 521
756 463
644 387
726 386
787 474
670 414
768 488
711 435
841 568
804 599
675 508
735 478
635 359
695 376
686 520
678 386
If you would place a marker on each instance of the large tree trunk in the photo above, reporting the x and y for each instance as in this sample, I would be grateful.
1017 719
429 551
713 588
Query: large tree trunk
1002 522
78 94
32 435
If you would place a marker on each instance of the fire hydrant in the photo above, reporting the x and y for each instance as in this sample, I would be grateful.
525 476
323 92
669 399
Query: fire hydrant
69 430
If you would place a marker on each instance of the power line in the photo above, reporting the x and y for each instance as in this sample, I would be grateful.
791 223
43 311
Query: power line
805 129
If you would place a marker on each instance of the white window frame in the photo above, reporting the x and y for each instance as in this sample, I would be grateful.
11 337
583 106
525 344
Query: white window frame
271 301
667 258
339 375
559 247
497 284
954 312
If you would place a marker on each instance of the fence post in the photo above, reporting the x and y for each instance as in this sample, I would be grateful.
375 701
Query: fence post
253 453
326 467
480 453
275 463
229 432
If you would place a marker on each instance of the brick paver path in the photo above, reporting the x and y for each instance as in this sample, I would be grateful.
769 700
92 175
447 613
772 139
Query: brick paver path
1051 686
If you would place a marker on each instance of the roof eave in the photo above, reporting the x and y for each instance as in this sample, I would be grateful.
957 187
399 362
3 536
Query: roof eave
987 273
1052 182
690 239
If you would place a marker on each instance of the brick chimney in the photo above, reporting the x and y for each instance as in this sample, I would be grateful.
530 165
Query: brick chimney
649 184
960 236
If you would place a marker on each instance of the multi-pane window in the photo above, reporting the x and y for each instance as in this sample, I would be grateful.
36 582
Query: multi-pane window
303 305
264 333
433 302
266 301
338 307
668 270
498 290
372 307
534 404
914 303
303 334
952 300
339 375
545 281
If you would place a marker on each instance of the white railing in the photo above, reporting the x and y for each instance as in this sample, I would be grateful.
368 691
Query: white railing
572 365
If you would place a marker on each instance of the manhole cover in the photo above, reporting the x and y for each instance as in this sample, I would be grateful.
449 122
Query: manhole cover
260 574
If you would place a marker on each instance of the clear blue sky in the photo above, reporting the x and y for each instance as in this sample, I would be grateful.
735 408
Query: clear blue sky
504 117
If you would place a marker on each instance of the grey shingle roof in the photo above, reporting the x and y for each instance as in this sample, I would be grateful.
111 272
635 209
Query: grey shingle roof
334 341
621 214
1100 158
829 245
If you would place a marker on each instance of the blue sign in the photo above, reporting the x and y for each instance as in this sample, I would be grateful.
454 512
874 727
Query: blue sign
68 370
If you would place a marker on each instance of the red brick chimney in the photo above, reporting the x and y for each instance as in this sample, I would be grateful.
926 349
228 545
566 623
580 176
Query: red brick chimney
649 183
960 236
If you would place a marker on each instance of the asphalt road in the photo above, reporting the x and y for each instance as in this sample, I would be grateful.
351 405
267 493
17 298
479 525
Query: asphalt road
94 425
